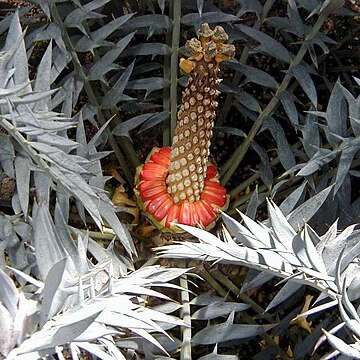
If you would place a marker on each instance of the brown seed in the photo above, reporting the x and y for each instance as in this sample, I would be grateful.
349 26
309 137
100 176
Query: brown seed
193 115
183 161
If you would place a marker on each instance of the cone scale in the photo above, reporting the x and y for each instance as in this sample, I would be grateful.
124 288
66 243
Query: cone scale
178 184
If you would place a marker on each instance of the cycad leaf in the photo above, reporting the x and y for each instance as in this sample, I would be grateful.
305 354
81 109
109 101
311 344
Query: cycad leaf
288 103
43 76
52 284
227 331
128 125
218 309
308 209
287 291
48 249
268 45
149 84
342 346
19 60
97 38
8 294
22 170
345 162
303 77
311 137
336 114
148 49
354 110
115 94
320 158
255 75
210 17
105 64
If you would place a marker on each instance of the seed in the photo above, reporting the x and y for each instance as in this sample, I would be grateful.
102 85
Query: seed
186 119
194 177
203 142
204 152
197 151
181 149
195 140
192 198
175 139
199 170
193 128
176 165
185 172
170 178
197 192
187 182
198 160
189 191
173 188
188 145
206 101
187 133
176 199
201 178
190 156
193 87
195 186
186 105
181 136
206 89
192 101
192 167
182 195
193 115
200 109
180 186
208 114
201 121
212 91
178 176
202 133
183 161
191 79
214 103
199 96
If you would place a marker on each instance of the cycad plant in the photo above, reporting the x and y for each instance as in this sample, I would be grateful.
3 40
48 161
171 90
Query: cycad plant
88 89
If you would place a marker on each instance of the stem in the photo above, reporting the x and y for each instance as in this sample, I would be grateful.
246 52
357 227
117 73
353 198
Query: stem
174 66
185 314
